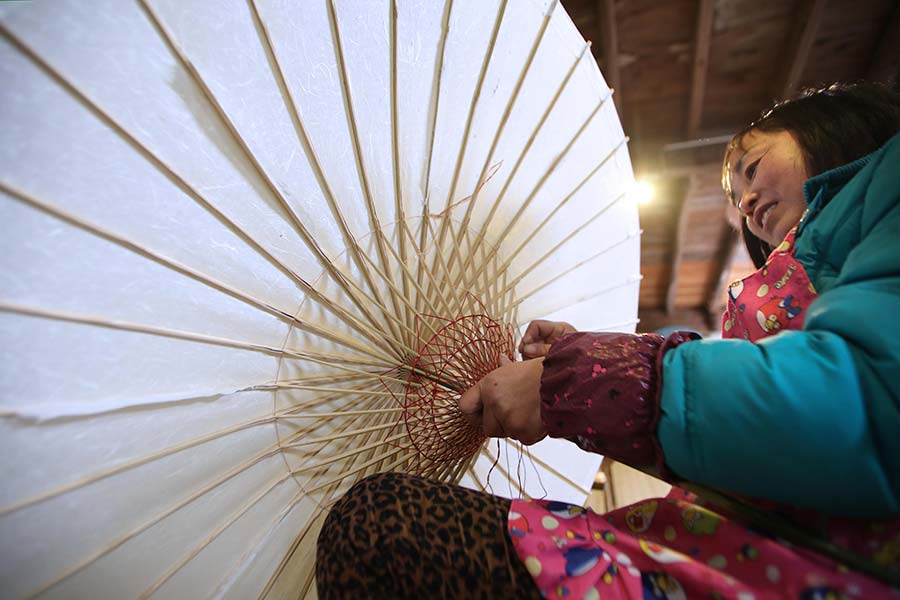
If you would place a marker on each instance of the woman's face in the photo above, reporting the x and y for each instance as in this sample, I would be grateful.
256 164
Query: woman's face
767 175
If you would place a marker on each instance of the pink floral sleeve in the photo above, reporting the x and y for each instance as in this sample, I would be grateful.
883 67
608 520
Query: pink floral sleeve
602 391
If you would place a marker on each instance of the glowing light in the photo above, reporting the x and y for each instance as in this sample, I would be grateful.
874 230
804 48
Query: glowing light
642 192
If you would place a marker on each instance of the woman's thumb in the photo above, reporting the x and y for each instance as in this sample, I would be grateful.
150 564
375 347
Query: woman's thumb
503 360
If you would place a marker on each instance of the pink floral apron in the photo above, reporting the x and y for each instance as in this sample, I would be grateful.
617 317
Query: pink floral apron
774 298
673 548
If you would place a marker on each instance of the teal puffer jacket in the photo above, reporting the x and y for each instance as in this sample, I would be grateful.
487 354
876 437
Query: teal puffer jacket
810 417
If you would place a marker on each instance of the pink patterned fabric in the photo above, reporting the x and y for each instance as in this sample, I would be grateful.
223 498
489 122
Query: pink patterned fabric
669 548
774 298
602 391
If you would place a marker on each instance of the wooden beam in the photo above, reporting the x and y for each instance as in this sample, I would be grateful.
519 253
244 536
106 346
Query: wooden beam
803 34
701 65
724 260
678 247
885 65
606 25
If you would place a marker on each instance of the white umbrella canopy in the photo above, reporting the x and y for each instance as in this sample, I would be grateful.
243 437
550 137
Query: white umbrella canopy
252 251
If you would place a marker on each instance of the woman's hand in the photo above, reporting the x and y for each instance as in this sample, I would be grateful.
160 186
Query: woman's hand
507 402
540 335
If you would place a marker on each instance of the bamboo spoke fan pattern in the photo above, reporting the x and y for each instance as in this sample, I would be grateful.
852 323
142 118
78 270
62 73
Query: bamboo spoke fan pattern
253 251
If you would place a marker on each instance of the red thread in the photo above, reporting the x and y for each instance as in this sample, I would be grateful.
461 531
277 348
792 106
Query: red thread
456 357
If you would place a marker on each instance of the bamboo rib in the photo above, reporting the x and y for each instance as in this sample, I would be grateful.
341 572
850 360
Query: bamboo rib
178 267
312 388
293 108
592 296
565 201
446 221
329 498
211 537
524 152
437 277
172 175
553 213
435 104
546 175
337 436
320 357
292 105
399 212
134 463
523 73
352 290
128 465
580 264
564 241
300 536
227 524
343 455
410 280
374 221
92 558
298 496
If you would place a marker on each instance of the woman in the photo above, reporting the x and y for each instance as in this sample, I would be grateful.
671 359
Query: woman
799 411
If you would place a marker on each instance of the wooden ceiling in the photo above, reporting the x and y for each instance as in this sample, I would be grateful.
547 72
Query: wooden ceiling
686 74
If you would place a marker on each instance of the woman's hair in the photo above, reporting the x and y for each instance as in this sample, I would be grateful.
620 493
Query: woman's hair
833 126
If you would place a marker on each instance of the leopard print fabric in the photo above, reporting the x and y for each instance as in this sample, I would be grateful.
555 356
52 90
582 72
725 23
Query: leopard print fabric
395 535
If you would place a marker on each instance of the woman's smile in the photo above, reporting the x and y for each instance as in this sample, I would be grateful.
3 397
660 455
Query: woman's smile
767 183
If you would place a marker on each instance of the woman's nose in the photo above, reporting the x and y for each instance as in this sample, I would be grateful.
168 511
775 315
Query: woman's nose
747 203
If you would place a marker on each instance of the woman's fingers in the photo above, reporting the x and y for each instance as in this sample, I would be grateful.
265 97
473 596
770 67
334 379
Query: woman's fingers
540 335
471 406
507 402
534 350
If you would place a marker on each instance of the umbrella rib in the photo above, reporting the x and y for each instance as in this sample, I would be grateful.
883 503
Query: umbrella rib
531 139
628 281
317 357
180 182
350 288
321 507
300 536
312 388
270 451
526 68
211 537
488 57
309 523
489 53
434 283
185 270
471 471
97 476
345 413
338 457
360 163
573 267
338 436
437 78
292 105
556 209
116 543
400 213
547 173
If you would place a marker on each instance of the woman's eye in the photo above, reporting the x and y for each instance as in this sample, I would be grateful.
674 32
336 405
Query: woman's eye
751 169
